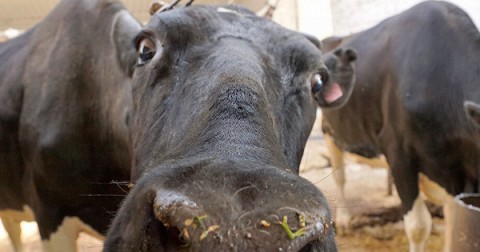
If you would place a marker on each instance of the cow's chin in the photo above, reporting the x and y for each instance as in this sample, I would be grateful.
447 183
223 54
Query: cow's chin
172 239
178 224
164 237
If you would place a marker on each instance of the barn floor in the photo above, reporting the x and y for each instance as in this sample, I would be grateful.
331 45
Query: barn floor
368 201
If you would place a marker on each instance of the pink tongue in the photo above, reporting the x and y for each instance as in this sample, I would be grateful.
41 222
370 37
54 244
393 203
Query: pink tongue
333 93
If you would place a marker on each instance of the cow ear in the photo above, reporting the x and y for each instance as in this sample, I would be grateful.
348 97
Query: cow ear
338 52
473 112
155 6
346 55
350 54
331 43
125 28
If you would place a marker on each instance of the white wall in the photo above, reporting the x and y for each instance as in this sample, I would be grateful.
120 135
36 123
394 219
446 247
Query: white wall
350 16
286 14
324 18
315 17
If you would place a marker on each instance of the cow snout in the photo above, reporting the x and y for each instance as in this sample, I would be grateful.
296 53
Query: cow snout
213 209
254 216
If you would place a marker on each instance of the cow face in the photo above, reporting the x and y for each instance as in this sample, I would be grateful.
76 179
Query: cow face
224 103
339 89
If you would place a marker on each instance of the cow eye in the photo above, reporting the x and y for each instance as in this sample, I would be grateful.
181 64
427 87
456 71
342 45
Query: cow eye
146 50
318 80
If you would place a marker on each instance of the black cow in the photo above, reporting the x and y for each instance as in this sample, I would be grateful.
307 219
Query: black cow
65 100
223 105
413 74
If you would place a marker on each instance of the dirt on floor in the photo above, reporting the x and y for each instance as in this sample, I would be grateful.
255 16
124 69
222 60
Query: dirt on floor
377 220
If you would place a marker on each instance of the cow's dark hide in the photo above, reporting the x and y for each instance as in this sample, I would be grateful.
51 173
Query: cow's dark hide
65 104
413 74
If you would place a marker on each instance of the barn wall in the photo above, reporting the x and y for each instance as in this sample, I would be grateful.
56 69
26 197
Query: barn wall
23 14
286 14
350 16
315 17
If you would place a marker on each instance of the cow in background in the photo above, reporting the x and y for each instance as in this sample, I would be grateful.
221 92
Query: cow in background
413 74
224 102
65 98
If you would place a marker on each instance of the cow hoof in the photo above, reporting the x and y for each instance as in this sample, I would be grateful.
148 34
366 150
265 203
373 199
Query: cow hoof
343 224
341 230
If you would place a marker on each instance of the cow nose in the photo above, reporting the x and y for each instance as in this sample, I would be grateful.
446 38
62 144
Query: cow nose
239 215
183 223
207 207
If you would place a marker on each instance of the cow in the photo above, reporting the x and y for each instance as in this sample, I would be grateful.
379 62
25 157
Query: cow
224 102
414 72
66 101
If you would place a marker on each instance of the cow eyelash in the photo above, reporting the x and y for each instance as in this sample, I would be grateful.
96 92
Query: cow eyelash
140 36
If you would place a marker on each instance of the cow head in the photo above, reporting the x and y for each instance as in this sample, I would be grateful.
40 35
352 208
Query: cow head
339 88
223 107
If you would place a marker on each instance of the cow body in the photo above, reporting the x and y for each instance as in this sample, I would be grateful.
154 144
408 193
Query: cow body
223 104
65 102
413 74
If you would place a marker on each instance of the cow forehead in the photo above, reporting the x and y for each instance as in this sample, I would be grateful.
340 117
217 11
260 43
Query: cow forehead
198 23
202 18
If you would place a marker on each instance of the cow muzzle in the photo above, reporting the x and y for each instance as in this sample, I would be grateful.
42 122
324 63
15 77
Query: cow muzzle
182 224
220 209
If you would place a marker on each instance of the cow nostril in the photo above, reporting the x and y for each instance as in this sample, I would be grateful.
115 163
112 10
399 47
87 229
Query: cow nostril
310 238
308 247
127 119
161 237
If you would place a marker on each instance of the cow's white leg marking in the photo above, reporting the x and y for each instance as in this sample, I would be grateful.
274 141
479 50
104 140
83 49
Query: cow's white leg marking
418 225
65 238
448 214
439 196
431 190
379 162
14 231
342 214
11 220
